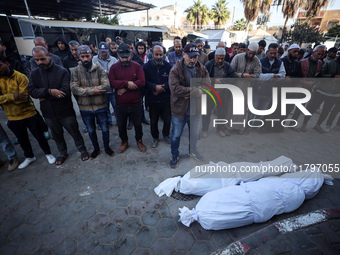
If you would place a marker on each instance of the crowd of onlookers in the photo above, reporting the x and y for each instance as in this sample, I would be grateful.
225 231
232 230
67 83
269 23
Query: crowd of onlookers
134 77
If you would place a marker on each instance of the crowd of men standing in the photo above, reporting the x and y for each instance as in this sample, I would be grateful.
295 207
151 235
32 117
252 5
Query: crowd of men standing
124 75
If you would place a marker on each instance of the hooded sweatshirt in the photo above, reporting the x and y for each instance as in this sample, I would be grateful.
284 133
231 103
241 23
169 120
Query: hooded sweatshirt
61 53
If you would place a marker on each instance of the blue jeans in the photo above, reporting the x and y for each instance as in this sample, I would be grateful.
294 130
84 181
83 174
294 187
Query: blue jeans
110 98
178 125
260 102
7 145
89 117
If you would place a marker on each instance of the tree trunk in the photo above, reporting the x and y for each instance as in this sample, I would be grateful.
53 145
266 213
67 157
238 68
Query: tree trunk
247 30
284 29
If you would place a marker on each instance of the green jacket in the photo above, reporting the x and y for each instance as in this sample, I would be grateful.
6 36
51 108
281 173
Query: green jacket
83 83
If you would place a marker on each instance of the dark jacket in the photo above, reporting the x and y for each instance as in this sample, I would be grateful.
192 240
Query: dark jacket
70 61
180 89
292 67
228 70
15 63
119 76
61 53
144 52
137 59
329 70
332 68
157 75
55 77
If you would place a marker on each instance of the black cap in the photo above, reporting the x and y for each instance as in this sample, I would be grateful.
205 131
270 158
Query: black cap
191 49
103 47
124 50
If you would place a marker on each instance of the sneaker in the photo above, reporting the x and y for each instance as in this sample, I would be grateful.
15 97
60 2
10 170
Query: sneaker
51 159
95 153
26 162
174 161
47 135
13 164
109 151
221 133
167 139
85 129
155 143
328 128
141 146
195 155
204 134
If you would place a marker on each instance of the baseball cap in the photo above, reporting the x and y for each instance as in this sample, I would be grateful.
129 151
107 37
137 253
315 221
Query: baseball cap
103 47
83 49
191 49
124 50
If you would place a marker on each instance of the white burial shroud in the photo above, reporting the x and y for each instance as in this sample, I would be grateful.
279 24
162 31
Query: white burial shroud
203 182
254 202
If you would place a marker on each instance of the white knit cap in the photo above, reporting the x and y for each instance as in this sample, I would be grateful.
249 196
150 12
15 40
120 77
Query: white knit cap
220 51
253 46
294 46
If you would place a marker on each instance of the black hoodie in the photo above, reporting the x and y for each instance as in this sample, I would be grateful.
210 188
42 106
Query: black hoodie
61 53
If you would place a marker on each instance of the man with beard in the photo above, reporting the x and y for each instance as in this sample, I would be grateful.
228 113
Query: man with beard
203 58
62 46
141 51
185 101
40 41
89 83
177 54
51 85
135 56
72 58
106 61
331 54
113 49
156 77
127 78
246 65
14 62
21 112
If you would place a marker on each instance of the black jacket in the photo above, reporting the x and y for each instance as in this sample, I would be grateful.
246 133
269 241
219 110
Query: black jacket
55 77
155 75
70 61
292 67
61 53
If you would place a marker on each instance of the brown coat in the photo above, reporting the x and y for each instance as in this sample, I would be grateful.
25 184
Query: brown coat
180 89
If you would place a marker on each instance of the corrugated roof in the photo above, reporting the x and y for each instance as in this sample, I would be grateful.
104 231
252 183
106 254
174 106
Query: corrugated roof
90 25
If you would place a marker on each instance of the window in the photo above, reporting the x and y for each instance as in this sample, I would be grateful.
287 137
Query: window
332 22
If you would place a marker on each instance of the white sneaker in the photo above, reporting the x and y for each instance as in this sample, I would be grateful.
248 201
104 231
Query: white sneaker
26 162
328 128
51 159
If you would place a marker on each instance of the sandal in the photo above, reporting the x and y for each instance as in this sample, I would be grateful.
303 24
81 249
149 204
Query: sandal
61 159
84 156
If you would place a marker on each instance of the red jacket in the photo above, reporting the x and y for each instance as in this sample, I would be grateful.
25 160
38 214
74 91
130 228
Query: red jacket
120 75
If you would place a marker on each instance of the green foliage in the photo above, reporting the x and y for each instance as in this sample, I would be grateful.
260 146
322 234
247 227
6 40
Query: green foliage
334 31
108 21
198 14
303 32
241 25
220 13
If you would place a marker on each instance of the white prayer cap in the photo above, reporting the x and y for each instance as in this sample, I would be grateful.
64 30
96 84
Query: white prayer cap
220 51
253 46
294 46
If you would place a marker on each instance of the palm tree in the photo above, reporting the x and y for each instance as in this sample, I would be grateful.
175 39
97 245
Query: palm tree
291 7
252 8
198 14
220 13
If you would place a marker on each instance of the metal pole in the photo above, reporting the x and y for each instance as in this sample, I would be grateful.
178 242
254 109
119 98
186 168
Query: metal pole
9 24
232 21
147 17
100 8
28 10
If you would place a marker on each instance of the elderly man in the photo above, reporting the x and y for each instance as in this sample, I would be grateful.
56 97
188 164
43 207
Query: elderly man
246 65
218 69
21 112
40 41
106 61
50 83
72 58
220 45
89 83
203 58
127 78
322 93
156 77
185 101
177 54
